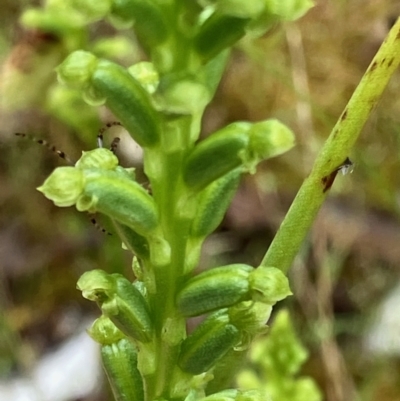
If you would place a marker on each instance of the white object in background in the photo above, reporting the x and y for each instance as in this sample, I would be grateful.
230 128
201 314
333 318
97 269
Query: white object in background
73 371
384 335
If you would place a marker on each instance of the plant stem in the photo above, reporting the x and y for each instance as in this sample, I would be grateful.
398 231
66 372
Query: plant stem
312 193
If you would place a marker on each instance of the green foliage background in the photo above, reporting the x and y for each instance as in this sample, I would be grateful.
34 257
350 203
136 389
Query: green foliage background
302 73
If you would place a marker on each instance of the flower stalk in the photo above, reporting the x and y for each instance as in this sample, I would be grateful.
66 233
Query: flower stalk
147 352
335 151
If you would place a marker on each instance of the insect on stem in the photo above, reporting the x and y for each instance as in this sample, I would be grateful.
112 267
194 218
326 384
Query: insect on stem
346 167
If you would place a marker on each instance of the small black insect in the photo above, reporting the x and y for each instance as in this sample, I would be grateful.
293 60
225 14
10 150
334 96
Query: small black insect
64 156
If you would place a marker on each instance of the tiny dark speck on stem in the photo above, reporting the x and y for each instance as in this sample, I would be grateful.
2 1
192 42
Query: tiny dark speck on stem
344 115
390 62
373 66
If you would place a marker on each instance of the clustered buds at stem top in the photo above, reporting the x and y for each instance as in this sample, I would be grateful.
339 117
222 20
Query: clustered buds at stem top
120 301
229 20
161 106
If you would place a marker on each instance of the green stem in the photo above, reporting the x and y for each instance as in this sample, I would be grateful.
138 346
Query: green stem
313 192
163 166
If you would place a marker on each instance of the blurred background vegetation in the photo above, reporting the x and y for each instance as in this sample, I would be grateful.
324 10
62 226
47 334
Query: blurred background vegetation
347 276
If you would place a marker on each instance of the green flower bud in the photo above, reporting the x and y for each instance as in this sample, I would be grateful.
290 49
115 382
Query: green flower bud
120 364
64 186
214 70
217 33
129 311
128 100
114 47
276 11
120 301
213 203
93 97
209 342
97 285
129 172
101 158
119 198
269 285
150 26
92 10
241 144
62 103
186 97
215 289
217 155
289 10
250 318
268 139
241 8
146 74
53 20
77 69
104 331
259 26
133 241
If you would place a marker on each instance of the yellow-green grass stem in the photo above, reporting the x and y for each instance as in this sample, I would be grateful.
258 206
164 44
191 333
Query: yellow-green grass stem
315 188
